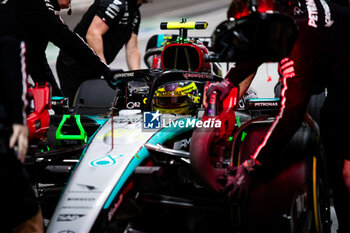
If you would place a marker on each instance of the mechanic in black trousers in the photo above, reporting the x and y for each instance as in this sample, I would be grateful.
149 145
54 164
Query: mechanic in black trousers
37 65
320 57
40 24
107 26
19 207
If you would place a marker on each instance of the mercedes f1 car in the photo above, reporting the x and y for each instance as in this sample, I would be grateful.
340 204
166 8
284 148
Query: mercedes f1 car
131 179
55 152
143 171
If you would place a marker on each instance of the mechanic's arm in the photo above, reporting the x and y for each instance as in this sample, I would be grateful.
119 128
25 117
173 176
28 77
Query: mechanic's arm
95 34
61 36
240 75
133 53
243 72
37 65
245 84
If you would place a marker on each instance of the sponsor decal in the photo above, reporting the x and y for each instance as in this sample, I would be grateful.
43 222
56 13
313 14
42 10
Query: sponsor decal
266 104
132 105
327 20
312 13
124 75
196 75
113 9
69 217
184 143
105 161
170 93
127 120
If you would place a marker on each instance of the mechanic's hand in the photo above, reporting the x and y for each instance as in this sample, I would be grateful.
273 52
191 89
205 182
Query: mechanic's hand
239 180
223 88
19 136
110 77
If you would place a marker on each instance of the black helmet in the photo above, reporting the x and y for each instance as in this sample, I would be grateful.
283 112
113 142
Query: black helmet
267 36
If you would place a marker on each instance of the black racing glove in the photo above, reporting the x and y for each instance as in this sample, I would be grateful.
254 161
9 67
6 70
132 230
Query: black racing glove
223 88
240 179
111 77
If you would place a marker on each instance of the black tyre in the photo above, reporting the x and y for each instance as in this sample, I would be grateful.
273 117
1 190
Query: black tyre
202 150
321 199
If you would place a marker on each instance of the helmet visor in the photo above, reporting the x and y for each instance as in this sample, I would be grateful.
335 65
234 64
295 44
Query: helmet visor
172 102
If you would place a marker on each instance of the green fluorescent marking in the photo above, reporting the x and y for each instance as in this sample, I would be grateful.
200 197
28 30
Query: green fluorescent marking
238 121
60 136
244 134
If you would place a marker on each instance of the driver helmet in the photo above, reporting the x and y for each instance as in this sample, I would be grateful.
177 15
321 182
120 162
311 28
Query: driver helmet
180 98
260 30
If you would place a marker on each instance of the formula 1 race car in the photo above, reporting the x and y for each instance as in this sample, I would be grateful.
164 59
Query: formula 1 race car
51 160
133 179
147 169
117 148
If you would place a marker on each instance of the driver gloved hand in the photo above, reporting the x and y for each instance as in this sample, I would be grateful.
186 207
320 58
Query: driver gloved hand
240 179
223 88
110 77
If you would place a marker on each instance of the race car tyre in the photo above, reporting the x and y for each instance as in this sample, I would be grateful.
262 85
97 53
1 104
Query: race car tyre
315 105
291 197
51 136
201 149
321 198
